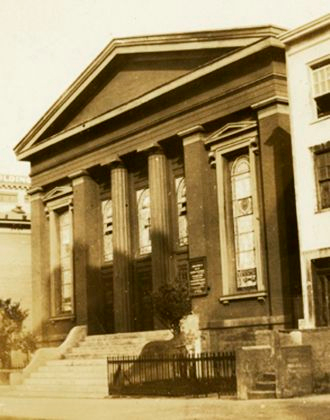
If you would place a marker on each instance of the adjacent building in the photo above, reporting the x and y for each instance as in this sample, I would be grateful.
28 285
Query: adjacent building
168 160
15 245
308 64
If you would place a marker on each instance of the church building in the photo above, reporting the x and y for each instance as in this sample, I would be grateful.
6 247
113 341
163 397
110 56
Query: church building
168 160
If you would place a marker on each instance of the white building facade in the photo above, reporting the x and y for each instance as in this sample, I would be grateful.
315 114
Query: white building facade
308 64
15 242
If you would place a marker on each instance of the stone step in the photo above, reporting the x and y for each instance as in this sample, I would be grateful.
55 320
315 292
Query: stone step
63 388
148 335
83 372
269 376
265 386
115 348
102 353
44 373
23 393
78 362
260 395
55 380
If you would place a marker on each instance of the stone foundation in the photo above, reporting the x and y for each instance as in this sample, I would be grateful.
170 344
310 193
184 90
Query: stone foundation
230 339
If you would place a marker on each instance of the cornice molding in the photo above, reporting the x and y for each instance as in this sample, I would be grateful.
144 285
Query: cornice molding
233 129
27 146
295 35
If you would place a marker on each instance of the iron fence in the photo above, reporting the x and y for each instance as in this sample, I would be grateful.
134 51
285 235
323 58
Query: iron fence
173 374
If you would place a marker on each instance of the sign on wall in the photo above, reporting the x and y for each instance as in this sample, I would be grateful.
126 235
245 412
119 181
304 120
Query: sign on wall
198 276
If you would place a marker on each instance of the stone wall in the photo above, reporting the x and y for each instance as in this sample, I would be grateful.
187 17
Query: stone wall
319 340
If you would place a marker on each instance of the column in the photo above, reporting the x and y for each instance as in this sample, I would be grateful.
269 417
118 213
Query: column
160 217
121 247
40 263
87 237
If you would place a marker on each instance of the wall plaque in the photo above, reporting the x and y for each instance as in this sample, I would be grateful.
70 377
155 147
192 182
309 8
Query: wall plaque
198 276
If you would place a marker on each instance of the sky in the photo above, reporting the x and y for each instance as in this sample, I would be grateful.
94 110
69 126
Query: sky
46 44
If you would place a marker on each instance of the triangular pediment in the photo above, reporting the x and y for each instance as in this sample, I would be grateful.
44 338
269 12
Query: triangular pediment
57 192
132 77
231 129
132 69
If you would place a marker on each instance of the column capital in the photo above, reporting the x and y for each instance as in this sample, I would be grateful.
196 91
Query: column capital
192 134
152 149
273 105
117 163
35 193
78 174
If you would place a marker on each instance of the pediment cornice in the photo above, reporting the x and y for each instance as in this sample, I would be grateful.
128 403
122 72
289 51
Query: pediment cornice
232 129
242 41
57 192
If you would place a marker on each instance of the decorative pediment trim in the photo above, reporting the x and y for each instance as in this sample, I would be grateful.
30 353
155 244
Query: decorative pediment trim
58 192
232 129
31 143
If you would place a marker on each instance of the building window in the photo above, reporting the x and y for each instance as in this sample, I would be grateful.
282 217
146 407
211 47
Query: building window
65 261
59 210
321 88
234 154
181 199
243 223
322 170
143 207
107 230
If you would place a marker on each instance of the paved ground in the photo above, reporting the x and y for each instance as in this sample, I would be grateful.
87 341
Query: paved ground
308 408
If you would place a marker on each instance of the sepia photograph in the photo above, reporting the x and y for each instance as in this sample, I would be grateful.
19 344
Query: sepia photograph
165 209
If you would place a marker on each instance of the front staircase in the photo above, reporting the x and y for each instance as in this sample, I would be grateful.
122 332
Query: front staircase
82 371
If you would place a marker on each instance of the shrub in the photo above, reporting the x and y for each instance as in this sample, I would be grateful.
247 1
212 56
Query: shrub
171 302
12 334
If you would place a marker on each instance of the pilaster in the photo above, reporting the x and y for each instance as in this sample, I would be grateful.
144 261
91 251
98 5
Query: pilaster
196 166
40 262
277 190
87 251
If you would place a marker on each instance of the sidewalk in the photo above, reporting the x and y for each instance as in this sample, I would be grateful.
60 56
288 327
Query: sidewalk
304 408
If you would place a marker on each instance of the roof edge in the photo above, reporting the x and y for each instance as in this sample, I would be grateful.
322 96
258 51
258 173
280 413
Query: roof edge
294 35
200 72
152 40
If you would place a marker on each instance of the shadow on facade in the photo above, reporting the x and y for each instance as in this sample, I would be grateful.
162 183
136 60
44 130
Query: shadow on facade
285 212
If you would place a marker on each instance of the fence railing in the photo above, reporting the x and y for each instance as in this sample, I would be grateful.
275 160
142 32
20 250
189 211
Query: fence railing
173 374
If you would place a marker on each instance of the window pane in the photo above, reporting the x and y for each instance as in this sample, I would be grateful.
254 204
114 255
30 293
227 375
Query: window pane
66 278
242 186
245 242
322 163
107 230
180 187
244 224
143 200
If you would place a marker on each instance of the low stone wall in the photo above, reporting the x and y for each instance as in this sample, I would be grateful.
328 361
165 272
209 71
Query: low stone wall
251 363
294 372
319 340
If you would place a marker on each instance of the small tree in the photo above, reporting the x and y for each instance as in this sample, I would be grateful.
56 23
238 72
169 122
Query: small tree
12 334
171 302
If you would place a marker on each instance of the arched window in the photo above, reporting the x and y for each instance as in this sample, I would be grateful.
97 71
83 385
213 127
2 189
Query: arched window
107 230
181 199
143 205
65 254
243 223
